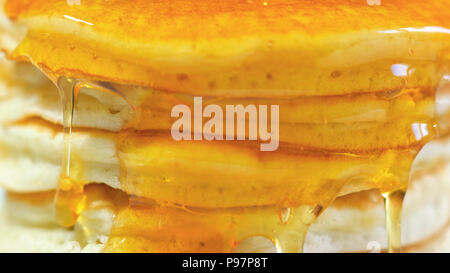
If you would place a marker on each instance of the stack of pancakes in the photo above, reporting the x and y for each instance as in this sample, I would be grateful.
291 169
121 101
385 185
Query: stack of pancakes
356 86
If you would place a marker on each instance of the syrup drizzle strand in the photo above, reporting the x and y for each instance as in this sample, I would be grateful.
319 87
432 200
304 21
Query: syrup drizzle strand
69 196
289 240
393 205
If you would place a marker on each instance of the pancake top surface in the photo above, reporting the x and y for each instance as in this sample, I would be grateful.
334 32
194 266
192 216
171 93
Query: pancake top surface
160 42
193 20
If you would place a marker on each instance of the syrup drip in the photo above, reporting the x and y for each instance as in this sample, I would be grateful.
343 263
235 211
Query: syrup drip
393 206
70 197
285 215
289 240
148 226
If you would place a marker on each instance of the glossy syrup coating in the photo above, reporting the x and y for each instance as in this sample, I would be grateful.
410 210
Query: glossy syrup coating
239 48
193 20
343 51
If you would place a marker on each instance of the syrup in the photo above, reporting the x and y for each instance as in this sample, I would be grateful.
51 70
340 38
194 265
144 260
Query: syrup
70 197
69 200
393 203
220 229
175 207
291 240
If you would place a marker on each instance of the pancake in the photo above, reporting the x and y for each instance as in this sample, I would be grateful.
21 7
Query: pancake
212 56
352 223
356 98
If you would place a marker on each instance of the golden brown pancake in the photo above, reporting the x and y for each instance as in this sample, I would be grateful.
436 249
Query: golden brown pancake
237 48
355 85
